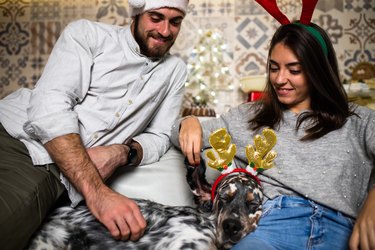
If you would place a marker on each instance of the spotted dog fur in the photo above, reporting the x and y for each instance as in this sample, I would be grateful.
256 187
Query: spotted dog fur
237 208
234 213
168 228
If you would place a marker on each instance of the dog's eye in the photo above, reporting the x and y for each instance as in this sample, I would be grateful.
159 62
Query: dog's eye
252 205
226 198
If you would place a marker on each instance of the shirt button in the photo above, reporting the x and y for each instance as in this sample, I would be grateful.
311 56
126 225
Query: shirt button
95 136
130 101
117 114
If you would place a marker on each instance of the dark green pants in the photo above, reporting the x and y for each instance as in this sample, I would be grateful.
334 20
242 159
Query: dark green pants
27 192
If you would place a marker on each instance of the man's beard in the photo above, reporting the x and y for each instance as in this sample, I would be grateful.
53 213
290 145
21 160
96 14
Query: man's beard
156 52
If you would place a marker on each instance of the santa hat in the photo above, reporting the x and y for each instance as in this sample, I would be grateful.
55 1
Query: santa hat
140 6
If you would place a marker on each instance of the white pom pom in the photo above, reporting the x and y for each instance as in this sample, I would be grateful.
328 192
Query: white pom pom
137 3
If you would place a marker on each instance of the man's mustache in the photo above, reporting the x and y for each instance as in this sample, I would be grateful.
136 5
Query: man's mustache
161 37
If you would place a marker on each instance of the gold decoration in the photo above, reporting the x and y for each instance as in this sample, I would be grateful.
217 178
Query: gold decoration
220 141
261 157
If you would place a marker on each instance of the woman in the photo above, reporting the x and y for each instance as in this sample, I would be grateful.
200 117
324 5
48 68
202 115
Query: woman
321 183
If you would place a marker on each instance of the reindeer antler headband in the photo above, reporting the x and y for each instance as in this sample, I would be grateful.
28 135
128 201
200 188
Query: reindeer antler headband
308 7
260 156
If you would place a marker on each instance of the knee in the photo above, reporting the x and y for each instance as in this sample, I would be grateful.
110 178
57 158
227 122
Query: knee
24 201
252 243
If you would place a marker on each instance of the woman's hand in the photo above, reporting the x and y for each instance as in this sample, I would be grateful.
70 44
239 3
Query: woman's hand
363 235
190 139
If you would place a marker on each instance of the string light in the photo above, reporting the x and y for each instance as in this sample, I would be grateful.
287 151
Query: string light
208 71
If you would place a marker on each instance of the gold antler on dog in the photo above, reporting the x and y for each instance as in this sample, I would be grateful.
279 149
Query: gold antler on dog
261 157
220 141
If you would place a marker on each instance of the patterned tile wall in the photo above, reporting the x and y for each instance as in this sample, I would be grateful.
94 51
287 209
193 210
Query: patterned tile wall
29 29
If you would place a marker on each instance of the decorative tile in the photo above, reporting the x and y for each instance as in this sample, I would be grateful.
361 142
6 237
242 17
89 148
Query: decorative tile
330 5
359 31
211 8
186 38
252 33
251 44
359 5
12 10
44 35
14 37
43 10
77 9
245 7
292 9
353 57
113 12
30 28
250 63
331 24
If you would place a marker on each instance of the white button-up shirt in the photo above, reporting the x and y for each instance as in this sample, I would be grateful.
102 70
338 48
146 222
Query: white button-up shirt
97 84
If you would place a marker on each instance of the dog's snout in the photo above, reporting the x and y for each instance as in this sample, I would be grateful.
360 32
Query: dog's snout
232 227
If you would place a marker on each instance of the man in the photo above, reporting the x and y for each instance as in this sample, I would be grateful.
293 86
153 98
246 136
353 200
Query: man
107 98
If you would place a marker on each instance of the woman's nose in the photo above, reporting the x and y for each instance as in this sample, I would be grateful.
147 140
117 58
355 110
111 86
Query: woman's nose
281 77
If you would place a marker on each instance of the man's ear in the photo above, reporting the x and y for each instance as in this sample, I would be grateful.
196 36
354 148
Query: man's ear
201 189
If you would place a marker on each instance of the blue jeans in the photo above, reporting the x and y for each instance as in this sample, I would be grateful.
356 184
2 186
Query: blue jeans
290 222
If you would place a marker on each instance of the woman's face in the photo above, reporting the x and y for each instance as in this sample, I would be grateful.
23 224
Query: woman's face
288 79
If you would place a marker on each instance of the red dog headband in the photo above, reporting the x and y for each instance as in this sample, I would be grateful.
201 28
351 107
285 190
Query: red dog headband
220 178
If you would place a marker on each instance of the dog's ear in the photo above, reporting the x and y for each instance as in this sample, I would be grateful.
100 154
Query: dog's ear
199 186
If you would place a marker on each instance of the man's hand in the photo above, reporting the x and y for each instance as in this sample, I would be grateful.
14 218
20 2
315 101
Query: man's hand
119 214
363 235
108 158
190 139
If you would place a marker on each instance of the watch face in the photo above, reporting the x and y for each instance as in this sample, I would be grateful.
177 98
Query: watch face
132 156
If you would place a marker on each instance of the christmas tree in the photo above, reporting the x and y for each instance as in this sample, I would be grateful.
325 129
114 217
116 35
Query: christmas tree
208 72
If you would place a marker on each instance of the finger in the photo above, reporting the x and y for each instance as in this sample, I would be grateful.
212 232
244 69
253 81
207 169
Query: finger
354 240
135 228
114 230
190 157
372 238
183 144
363 245
197 153
135 221
187 149
124 229
141 221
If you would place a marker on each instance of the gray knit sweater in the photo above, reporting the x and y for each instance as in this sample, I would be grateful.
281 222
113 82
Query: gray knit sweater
334 170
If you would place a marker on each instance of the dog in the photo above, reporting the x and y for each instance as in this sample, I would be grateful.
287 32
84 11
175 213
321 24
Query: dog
216 222
234 200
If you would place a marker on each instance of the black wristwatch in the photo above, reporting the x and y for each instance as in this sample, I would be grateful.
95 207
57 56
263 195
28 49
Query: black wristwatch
132 156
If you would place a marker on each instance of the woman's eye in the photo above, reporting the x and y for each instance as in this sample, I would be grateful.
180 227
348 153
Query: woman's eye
273 69
295 72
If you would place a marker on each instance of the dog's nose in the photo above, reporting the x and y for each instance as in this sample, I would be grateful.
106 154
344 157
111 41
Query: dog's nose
232 227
